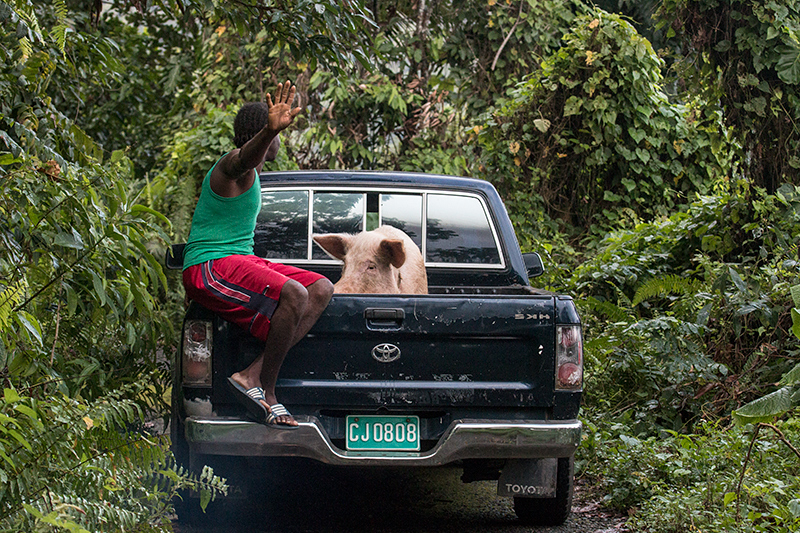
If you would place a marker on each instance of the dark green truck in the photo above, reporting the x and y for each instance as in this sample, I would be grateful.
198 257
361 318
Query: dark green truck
484 371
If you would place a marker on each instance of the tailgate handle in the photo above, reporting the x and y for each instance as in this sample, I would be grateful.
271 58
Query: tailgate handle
384 317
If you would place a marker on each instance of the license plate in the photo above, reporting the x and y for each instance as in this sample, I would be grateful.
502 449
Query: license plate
382 433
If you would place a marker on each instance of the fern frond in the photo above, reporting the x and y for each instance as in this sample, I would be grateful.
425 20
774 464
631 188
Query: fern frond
26 47
101 515
10 297
608 309
59 31
61 11
665 286
26 14
751 361
59 36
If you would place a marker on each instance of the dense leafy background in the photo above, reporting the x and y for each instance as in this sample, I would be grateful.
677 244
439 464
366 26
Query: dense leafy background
650 150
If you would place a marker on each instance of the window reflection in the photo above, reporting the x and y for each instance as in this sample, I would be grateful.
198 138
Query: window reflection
337 213
282 225
458 231
403 211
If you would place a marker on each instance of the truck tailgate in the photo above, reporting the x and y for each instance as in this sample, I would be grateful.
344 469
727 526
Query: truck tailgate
371 351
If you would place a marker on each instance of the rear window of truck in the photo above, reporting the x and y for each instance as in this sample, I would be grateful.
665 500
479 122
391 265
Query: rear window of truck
451 229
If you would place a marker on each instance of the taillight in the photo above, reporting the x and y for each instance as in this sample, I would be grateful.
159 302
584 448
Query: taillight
569 358
197 338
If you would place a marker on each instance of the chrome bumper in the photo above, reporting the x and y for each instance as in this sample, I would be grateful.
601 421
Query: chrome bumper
464 439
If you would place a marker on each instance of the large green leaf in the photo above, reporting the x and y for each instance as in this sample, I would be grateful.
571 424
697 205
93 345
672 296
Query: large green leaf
766 408
792 377
138 209
68 240
31 325
737 280
795 292
796 322
788 65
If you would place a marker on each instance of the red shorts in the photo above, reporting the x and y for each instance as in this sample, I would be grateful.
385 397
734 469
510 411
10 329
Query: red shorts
243 289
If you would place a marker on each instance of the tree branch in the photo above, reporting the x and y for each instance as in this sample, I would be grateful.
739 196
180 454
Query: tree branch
744 468
505 41
783 438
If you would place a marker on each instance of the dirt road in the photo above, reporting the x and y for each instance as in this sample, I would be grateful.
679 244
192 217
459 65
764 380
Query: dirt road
310 497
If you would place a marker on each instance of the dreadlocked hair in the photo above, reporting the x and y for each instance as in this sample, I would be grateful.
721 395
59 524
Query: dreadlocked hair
250 119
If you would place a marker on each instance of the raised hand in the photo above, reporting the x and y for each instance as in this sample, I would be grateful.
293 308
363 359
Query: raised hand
281 113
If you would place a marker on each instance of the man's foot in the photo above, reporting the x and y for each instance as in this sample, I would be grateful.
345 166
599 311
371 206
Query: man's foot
252 399
280 417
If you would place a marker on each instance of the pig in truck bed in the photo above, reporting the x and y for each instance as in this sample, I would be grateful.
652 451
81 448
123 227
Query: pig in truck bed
484 371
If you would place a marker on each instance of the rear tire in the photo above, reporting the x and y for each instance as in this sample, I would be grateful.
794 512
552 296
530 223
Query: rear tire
549 511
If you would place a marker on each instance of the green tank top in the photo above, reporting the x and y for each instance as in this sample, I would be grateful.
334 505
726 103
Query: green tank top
222 226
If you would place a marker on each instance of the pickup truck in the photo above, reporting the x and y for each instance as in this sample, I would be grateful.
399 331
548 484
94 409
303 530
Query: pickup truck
484 371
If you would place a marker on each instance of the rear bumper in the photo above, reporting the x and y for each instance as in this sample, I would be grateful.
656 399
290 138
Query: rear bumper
464 439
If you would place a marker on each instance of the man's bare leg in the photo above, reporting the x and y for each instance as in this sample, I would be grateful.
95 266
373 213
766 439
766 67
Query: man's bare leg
298 309
263 372
319 296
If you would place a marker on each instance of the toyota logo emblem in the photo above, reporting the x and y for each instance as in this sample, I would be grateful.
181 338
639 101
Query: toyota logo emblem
386 353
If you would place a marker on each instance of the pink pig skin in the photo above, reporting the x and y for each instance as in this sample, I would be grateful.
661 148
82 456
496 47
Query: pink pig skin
381 261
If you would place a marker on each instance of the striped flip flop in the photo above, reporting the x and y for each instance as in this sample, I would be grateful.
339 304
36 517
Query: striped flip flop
249 398
276 411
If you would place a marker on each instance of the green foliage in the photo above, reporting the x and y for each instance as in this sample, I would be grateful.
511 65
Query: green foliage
366 120
322 31
188 155
653 186
377 123
743 57
74 239
120 77
667 285
130 75
435 154
439 62
685 482
80 321
482 48
472 50
687 316
784 399
69 465
594 137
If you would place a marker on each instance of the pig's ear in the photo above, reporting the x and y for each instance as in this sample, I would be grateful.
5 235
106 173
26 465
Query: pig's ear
394 251
334 244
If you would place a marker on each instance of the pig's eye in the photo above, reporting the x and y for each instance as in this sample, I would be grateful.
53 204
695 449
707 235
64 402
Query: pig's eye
371 266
